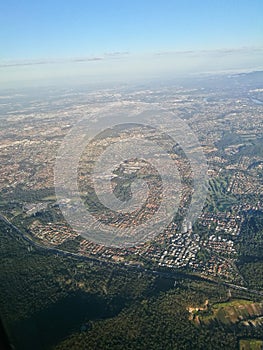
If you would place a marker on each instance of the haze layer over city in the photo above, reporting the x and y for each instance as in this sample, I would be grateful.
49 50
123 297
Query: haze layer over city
131 191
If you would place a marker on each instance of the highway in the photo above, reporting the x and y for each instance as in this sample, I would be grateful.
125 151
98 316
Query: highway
138 268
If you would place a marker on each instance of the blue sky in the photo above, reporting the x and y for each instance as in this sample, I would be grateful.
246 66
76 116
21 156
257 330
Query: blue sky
55 39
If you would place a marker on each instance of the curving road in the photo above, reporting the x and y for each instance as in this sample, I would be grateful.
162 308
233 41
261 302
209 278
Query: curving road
138 268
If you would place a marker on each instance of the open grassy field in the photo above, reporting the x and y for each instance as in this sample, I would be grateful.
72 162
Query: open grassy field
250 344
231 312
219 199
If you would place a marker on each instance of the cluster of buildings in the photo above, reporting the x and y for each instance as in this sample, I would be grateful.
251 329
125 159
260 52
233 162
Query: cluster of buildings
181 250
52 234
222 222
31 137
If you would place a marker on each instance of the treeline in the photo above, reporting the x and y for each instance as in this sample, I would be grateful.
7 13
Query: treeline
250 249
19 194
156 324
250 240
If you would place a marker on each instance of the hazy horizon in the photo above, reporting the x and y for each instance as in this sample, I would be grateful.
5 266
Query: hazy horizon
52 42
